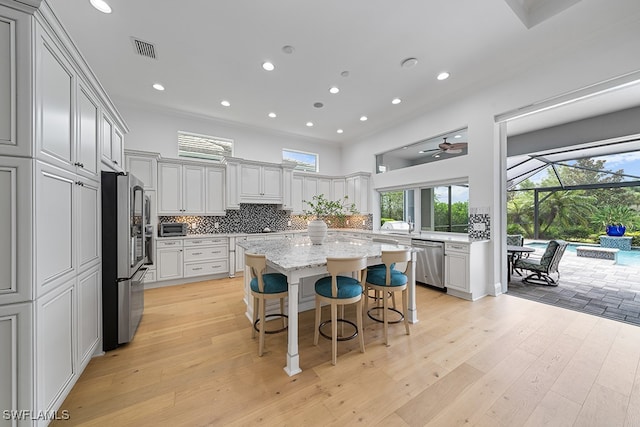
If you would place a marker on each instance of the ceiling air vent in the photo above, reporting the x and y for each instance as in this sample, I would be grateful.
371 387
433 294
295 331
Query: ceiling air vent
144 48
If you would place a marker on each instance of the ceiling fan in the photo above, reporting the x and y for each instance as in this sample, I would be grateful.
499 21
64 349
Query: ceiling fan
447 148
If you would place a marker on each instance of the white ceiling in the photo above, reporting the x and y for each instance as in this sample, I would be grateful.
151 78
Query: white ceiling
211 50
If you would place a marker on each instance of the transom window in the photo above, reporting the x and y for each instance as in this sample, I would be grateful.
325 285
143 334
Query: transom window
307 162
204 146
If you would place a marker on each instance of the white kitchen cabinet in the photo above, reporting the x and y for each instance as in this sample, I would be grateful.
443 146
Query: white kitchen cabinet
89 287
232 194
16 357
169 259
112 144
357 190
191 257
55 218
339 188
51 114
206 256
54 345
456 266
15 69
215 190
54 114
143 166
181 189
287 182
88 134
87 224
297 194
15 218
466 275
260 183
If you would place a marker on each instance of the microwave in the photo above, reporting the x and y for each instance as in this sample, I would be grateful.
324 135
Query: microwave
168 229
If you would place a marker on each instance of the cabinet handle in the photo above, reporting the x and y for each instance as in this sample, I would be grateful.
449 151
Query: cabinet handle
197 253
114 161
197 268
196 241
81 165
80 183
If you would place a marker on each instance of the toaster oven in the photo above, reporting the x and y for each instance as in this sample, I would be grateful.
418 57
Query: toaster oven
168 229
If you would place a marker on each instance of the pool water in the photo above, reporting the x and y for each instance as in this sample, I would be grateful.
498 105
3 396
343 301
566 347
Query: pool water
631 257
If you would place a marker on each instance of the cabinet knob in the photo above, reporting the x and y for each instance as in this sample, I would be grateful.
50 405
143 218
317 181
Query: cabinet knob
114 161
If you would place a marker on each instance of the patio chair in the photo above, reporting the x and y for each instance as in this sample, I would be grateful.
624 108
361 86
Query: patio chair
543 268
515 239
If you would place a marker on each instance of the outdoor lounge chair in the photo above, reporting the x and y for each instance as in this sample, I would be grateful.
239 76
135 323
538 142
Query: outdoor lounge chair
543 268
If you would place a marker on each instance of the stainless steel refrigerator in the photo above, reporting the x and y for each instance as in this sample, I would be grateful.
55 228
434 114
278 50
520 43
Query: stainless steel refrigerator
123 257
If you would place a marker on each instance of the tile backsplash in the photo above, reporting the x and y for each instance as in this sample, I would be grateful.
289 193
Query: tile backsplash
253 218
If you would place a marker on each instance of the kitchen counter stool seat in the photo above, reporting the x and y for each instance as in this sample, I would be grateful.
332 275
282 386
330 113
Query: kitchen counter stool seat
339 291
265 286
390 280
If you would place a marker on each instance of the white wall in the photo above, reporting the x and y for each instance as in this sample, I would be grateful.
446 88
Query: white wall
605 56
157 131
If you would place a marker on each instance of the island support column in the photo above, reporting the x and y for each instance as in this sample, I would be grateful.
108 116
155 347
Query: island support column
412 310
293 358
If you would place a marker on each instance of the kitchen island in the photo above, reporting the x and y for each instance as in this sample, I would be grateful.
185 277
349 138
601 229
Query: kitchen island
297 258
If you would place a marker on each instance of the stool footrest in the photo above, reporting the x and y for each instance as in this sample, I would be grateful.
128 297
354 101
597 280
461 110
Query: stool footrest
255 324
382 308
355 334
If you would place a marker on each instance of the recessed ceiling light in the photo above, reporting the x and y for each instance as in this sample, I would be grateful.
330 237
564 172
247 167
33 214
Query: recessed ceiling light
339 131
318 104
396 101
409 63
273 115
436 155
288 49
405 147
309 124
334 90
443 76
363 118
458 136
344 74
268 66
101 5
158 86
225 103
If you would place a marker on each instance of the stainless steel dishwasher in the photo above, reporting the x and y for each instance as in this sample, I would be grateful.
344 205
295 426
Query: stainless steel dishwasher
429 262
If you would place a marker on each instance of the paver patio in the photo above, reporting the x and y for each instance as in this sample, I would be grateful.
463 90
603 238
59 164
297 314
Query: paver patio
589 285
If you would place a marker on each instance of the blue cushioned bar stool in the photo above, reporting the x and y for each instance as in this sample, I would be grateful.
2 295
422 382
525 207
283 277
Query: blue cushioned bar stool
339 291
390 280
265 286
387 241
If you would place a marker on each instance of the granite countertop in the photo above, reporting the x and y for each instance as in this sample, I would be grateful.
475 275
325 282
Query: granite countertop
439 237
298 252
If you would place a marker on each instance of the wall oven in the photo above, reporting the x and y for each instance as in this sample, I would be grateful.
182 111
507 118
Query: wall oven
123 256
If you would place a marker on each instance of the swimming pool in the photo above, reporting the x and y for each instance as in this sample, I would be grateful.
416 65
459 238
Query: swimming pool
631 257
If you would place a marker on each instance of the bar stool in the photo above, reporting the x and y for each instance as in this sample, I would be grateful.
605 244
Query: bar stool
340 291
265 286
376 295
390 280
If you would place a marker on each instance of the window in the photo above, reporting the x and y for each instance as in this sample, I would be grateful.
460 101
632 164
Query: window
203 146
445 208
307 162
396 206
441 147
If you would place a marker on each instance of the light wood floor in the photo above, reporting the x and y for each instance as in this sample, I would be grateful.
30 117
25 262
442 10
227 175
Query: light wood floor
495 362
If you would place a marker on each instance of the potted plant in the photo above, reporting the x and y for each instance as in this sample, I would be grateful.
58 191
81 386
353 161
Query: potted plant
322 209
615 219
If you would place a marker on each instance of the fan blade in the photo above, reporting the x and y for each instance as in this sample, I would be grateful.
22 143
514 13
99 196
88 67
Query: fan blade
457 146
429 151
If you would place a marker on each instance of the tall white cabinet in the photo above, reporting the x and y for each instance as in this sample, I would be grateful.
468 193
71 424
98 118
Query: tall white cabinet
58 130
